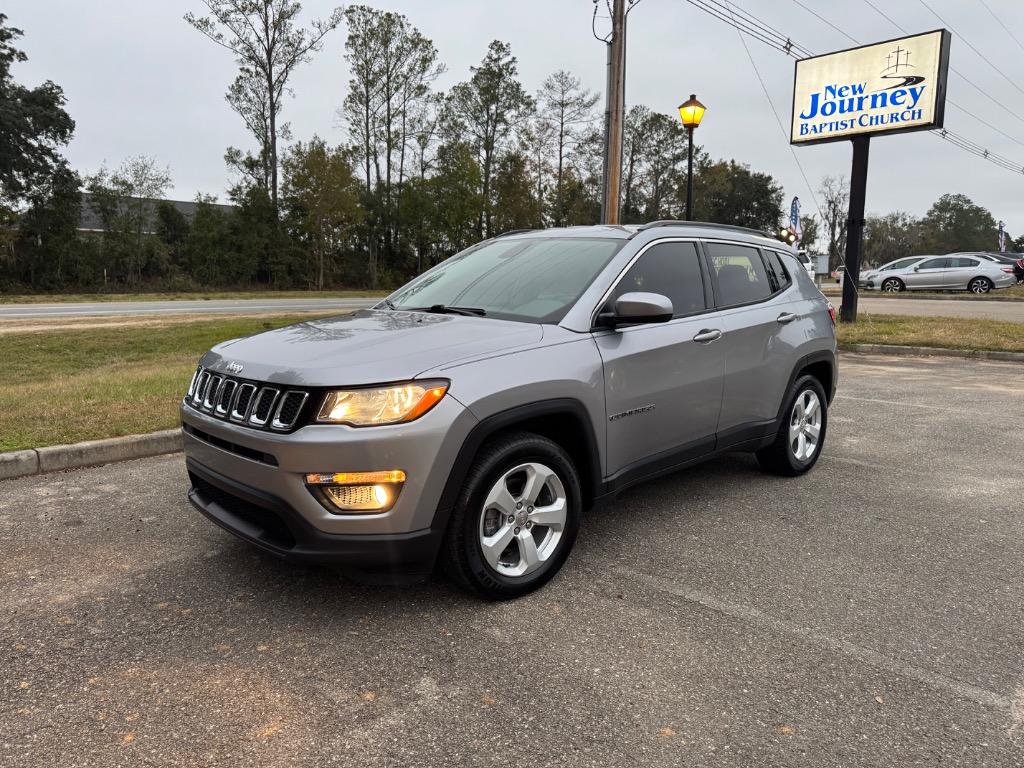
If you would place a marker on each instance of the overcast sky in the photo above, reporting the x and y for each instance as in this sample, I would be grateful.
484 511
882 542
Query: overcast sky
139 80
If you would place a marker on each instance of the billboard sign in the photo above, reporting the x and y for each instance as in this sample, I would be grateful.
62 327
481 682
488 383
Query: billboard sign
889 87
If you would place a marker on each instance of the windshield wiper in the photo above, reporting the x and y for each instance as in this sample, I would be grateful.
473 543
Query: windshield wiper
444 309
390 304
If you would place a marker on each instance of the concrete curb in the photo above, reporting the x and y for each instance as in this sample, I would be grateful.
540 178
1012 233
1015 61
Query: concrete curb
60 457
895 349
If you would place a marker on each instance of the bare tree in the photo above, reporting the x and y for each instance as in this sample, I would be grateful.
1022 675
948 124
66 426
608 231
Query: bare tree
263 36
567 108
835 199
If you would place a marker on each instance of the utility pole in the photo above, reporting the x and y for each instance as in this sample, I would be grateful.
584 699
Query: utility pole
616 97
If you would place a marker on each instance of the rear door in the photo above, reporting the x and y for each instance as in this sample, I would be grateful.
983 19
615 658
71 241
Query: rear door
760 326
663 381
930 273
961 270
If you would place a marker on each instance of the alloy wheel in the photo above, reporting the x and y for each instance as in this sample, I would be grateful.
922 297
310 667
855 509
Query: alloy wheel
523 519
979 285
805 426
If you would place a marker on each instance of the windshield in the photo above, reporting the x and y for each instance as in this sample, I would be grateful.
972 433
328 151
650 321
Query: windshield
535 279
901 264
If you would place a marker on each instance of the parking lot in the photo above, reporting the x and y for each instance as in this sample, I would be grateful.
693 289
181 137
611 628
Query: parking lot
870 613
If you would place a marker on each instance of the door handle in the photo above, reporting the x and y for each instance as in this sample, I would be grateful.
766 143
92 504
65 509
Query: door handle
786 317
707 335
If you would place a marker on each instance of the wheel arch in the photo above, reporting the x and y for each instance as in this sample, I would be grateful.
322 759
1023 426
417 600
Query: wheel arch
564 421
822 365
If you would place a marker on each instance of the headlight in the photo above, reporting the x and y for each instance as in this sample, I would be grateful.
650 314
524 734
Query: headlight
381 405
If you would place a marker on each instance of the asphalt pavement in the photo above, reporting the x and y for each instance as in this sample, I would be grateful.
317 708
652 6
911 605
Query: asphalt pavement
868 614
199 307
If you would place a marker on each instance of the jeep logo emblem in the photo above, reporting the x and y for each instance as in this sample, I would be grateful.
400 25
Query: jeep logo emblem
234 367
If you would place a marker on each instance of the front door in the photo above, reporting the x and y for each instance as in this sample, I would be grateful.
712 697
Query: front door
663 381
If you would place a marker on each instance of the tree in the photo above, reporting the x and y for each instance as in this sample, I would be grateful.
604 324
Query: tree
125 201
835 198
321 195
487 108
727 192
808 231
891 237
387 109
567 108
955 223
268 46
47 231
515 207
33 126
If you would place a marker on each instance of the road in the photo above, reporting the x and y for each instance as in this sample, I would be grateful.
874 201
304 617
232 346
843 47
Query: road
995 310
1011 311
868 614
155 308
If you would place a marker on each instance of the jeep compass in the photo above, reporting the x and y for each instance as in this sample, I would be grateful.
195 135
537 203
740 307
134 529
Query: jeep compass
473 415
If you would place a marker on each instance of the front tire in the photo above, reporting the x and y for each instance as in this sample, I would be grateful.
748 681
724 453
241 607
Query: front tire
516 517
801 435
980 285
892 285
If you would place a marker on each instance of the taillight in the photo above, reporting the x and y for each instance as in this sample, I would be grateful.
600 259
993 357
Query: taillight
1008 270
832 313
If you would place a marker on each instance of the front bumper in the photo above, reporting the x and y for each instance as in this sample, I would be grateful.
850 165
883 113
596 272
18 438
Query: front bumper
272 525
252 483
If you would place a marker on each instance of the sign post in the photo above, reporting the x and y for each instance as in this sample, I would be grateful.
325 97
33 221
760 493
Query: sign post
895 86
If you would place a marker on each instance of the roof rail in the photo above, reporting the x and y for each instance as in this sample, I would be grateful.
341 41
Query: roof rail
712 225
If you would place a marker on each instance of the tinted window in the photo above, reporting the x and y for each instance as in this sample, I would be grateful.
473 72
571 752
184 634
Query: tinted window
533 279
671 269
934 264
738 272
964 262
777 274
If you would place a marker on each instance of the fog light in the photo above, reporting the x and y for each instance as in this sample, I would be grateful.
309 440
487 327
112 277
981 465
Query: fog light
357 491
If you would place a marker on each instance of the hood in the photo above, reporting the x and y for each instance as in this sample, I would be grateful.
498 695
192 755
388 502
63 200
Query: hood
367 347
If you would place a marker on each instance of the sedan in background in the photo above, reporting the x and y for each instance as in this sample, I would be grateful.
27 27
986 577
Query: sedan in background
885 278
952 273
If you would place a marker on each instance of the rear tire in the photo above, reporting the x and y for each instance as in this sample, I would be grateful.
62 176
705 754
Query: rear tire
980 285
892 285
516 517
801 435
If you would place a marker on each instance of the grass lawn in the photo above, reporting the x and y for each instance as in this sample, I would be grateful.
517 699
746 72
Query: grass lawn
73 385
69 386
948 332
62 298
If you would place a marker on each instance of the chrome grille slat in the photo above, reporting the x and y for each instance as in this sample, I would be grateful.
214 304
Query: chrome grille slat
290 407
226 397
264 403
250 404
243 402
212 392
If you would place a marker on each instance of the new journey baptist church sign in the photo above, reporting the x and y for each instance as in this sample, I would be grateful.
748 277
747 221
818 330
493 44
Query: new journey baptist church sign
897 85
889 87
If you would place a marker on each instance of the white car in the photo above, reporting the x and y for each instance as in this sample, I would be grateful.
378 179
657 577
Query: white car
877 278
944 273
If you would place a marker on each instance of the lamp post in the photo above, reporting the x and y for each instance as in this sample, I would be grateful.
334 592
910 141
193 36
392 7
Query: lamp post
691 111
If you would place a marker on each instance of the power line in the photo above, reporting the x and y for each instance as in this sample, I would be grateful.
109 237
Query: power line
992 99
782 128
1001 24
789 48
822 18
967 42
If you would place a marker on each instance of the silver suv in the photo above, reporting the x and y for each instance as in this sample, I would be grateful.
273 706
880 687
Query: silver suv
473 415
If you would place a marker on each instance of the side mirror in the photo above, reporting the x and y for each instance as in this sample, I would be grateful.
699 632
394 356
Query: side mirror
638 307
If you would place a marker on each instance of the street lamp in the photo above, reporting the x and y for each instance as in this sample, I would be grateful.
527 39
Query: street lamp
691 111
